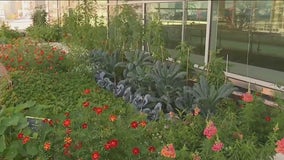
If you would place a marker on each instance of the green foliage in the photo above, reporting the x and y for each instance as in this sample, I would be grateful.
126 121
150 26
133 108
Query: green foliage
78 32
86 12
12 122
264 116
7 35
215 70
185 99
207 96
136 67
107 62
125 30
184 51
55 90
154 37
39 17
47 33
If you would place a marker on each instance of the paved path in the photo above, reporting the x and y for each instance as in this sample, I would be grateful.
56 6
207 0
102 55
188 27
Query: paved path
279 157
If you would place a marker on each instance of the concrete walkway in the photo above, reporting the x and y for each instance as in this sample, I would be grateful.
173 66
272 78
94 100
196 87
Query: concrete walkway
279 157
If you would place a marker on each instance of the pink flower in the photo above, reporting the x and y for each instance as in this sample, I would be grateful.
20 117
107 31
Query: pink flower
217 146
247 97
210 130
280 146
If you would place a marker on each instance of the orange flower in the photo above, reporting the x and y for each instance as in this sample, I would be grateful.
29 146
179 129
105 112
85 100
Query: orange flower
46 146
196 111
112 118
26 139
68 140
143 123
168 151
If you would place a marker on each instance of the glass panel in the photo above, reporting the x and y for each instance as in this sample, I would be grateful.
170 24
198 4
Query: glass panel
170 15
252 34
195 30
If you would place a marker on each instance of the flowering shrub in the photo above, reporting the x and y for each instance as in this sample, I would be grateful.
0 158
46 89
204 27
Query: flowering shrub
26 54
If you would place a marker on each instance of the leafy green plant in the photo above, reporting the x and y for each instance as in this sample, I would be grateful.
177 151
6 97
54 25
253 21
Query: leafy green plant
106 62
86 12
125 30
46 33
13 122
80 32
39 17
184 51
207 96
136 67
185 99
154 38
168 79
215 70
8 35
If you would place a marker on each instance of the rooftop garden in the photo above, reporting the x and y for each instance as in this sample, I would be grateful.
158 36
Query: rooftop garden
105 98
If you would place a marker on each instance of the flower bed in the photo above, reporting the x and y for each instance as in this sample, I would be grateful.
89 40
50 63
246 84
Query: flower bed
77 119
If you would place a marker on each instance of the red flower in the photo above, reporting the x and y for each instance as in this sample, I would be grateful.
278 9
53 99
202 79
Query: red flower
66 145
50 122
87 91
86 104
26 139
67 122
41 52
151 149
20 59
96 155
113 143
84 125
98 110
107 146
20 135
135 151
45 120
61 58
268 119
143 123
134 124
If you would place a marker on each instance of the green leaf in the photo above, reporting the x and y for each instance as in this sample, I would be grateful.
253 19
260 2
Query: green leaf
22 123
13 120
2 143
2 127
12 150
31 149
23 106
